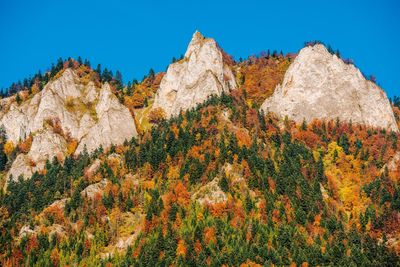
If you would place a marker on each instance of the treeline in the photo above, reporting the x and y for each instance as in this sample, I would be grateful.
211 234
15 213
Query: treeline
396 101
41 79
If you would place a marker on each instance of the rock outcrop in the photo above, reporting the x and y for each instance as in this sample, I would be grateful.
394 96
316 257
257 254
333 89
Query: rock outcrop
93 189
93 168
45 145
393 164
210 193
319 85
89 114
190 81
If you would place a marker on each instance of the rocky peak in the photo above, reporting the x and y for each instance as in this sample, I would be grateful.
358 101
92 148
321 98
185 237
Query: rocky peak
192 80
195 43
66 85
319 85
89 115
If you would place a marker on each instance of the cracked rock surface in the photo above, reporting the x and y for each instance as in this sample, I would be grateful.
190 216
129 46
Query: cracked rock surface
319 85
190 81
91 115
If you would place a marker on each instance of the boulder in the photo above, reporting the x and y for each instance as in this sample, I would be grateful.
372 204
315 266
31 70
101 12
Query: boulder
394 162
210 193
93 168
91 190
26 231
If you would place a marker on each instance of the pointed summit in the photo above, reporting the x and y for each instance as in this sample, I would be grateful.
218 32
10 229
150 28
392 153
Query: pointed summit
319 85
196 37
195 43
190 81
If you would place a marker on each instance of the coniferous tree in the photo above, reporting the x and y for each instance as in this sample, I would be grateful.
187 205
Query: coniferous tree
98 69
18 99
151 74
118 79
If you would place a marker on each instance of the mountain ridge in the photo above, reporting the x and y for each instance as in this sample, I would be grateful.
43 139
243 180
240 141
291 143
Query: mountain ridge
213 181
82 114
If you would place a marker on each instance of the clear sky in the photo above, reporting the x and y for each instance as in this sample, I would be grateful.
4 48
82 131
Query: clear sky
134 36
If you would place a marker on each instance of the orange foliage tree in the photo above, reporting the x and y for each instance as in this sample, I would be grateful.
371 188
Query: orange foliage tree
157 115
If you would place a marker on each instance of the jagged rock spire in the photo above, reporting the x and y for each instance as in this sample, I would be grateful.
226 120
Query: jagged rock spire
192 80
195 43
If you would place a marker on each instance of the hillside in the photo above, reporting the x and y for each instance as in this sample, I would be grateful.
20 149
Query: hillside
211 182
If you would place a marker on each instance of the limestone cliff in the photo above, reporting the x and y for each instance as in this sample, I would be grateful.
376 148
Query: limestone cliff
190 81
320 85
89 114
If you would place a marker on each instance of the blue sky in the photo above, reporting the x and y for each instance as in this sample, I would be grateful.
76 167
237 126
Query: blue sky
133 36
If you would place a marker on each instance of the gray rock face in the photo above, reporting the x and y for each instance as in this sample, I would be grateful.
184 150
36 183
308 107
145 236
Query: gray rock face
114 123
394 163
45 145
91 115
93 168
319 85
91 190
192 80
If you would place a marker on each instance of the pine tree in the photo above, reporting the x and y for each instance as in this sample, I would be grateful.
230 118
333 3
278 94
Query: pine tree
151 74
118 79
98 69
344 143
3 158
304 125
87 62
18 99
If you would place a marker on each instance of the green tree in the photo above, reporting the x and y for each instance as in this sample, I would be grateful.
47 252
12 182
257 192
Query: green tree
151 74
18 99
344 143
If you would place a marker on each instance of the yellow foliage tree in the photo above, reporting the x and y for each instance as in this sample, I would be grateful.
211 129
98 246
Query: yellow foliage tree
71 146
9 147
115 218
